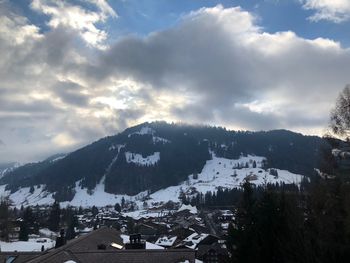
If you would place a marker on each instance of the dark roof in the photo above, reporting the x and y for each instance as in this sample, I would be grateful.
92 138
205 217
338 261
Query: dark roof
84 249
137 256
20 256
199 229
88 242
204 249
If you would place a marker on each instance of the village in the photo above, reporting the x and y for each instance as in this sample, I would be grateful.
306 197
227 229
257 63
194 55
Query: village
170 226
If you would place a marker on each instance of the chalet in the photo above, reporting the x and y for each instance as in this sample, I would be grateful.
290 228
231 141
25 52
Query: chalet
150 230
102 245
212 254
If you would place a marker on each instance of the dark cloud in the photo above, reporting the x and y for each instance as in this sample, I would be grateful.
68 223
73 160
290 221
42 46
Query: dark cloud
215 66
220 64
71 93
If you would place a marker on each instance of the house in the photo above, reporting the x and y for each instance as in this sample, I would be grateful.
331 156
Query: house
150 230
212 253
102 245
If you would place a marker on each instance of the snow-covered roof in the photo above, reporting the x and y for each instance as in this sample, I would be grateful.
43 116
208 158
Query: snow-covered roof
192 209
149 245
166 241
194 239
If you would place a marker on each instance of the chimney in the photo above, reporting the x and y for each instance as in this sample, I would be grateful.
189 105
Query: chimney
135 242
101 247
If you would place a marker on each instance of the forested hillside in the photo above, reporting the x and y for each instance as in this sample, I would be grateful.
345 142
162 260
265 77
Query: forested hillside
156 155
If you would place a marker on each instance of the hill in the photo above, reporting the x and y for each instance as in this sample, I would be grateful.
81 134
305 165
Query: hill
153 156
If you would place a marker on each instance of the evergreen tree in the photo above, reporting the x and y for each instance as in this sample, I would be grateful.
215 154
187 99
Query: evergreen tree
94 210
5 225
254 164
123 202
54 217
72 224
23 231
117 207
245 233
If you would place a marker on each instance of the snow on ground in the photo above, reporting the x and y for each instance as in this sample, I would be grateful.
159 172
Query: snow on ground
33 244
47 232
218 172
58 158
157 139
9 169
150 131
143 131
222 172
25 198
139 160
116 146
97 197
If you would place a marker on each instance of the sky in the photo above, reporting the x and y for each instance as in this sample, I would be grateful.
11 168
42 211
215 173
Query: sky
75 71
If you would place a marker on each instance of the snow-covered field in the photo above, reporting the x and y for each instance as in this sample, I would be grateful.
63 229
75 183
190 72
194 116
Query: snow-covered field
33 244
218 172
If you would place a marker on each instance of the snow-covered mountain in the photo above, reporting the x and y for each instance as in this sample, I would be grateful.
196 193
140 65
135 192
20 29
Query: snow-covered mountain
217 172
7 167
155 162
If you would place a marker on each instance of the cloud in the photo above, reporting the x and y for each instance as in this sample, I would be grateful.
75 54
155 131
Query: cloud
232 72
75 17
216 66
336 11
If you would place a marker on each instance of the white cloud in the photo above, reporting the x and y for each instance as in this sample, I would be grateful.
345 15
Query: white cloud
216 66
231 71
336 11
77 18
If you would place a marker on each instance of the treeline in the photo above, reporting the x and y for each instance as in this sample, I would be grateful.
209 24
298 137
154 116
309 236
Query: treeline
225 197
178 159
30 219
279 225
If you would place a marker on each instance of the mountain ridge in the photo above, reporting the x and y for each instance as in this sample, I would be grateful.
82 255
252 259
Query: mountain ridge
178 150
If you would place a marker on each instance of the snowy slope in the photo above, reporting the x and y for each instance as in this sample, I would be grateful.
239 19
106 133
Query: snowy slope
144 130
142 161
4 169
25 198
218 172
97 197
147 130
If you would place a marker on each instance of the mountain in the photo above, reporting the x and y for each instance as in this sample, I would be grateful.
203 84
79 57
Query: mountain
154 156
7 167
